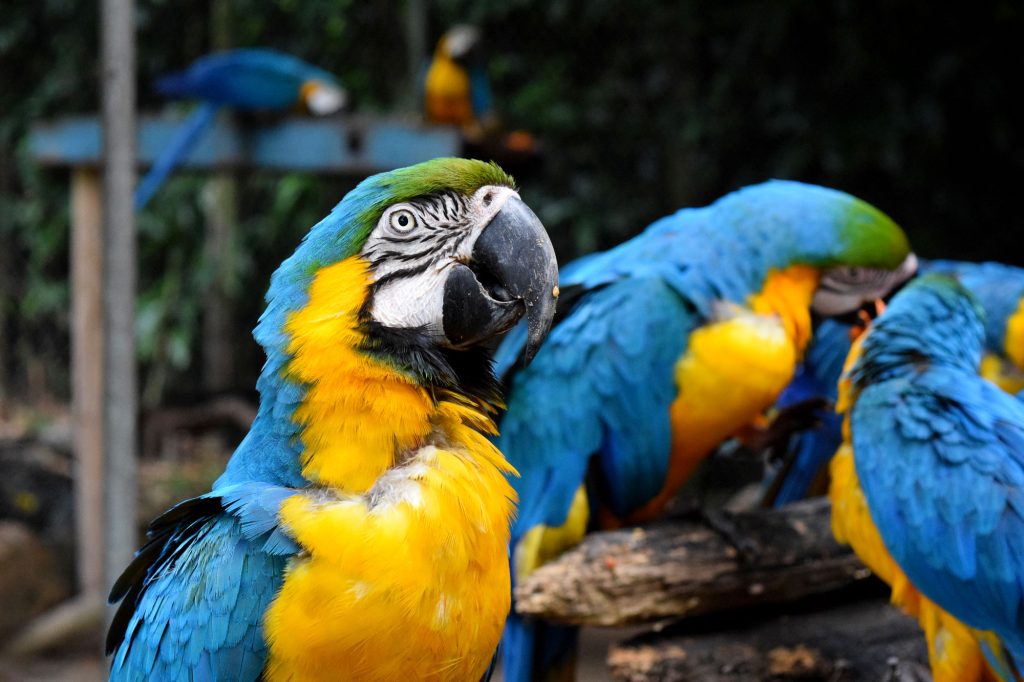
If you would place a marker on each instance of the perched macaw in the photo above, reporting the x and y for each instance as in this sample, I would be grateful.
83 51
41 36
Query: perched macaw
253 79
456 88
1000 291
929 487
667 345
360 530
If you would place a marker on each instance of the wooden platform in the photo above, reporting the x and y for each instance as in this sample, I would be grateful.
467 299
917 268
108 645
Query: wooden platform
343 145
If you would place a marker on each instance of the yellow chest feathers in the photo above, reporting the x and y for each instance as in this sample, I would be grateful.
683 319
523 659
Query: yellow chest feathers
407 582
404 569
735 368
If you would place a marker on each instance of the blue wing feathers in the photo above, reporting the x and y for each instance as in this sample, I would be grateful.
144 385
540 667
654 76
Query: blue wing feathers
253 78
817 377
601 386
194 598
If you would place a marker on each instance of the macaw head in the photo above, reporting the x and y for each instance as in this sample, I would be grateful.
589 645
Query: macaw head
440 257
460 43
934 320
862 254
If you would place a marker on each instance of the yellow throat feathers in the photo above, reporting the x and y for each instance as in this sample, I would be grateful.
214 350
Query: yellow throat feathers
360 414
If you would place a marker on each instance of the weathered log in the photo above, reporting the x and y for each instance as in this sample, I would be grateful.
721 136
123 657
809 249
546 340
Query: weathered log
864 641
685 567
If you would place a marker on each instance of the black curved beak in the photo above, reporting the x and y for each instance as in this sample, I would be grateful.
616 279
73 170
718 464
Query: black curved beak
512 272
842 299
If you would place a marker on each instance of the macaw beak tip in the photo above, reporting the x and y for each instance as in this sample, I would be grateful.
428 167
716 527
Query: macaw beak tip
514 257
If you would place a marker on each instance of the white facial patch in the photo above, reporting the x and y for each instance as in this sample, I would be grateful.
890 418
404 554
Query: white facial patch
460 39
324 99
415 243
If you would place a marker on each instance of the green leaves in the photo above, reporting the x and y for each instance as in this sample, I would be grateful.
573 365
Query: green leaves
641 107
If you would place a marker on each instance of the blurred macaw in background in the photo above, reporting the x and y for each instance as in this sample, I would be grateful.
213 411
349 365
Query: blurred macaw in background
665 346
457 91
360 530
253 79
928 488
1000 291
456 88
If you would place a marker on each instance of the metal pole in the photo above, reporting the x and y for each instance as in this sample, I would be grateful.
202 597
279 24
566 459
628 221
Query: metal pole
416 46
120 403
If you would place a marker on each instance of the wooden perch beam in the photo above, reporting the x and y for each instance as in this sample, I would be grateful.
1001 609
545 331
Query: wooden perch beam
684 568
341 145
869 641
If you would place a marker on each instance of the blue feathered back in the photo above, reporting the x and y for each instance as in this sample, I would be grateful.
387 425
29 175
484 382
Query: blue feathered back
940 456
998 288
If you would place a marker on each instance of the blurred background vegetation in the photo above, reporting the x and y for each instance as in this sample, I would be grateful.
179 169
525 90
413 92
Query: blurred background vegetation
642 107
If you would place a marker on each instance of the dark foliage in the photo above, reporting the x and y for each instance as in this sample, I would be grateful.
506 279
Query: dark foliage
642 106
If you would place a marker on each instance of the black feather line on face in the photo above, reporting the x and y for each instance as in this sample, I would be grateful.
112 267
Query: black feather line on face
444 371
391 276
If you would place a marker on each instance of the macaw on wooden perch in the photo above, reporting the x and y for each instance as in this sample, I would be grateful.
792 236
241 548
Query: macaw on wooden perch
251 79
665 346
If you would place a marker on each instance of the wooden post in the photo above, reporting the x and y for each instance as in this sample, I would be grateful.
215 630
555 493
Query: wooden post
120 404
87 373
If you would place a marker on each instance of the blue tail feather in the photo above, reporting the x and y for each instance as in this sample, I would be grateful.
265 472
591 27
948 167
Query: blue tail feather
535 650
812 452
187 135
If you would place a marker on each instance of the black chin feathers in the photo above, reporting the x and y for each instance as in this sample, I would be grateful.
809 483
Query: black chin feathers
466 372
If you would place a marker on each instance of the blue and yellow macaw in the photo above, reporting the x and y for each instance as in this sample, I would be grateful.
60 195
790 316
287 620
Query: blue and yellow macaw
1000 291
253 79
456 88
928 488
667 345
360 530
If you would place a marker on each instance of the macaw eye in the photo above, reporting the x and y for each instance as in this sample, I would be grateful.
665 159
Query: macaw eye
402 221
